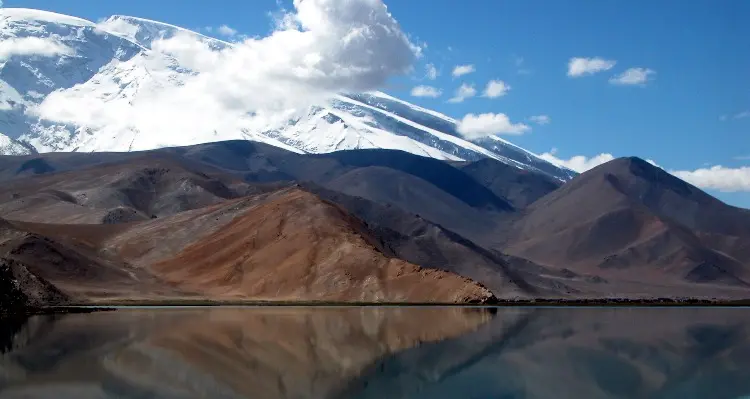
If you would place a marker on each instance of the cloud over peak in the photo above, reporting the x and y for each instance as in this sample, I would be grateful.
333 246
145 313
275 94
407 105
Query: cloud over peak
43 47
718 178
477 126
461 70
325 47
579 66
578 163
633 76
715 177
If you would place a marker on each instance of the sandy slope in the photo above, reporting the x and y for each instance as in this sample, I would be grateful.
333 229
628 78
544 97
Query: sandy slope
284 245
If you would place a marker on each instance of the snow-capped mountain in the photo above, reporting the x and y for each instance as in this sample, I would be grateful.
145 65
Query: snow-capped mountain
109 68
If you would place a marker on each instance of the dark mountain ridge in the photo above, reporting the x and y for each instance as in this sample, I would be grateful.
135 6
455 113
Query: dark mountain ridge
624 229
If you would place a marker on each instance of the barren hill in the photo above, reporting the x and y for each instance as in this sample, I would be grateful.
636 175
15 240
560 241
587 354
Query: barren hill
283 245
641 229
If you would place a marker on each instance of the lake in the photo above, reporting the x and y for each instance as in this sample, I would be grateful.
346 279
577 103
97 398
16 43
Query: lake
379 352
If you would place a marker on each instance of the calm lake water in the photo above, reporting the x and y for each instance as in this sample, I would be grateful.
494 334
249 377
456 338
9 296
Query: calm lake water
386 352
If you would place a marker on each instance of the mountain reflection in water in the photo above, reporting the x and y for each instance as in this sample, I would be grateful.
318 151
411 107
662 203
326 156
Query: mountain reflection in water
379 352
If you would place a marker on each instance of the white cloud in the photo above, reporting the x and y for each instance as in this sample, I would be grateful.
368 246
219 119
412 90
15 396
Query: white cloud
633 76
496 88
227 31
578 66
461 70
431 72
326 47
1 3
426 91
33 46
739 115
540 119
578 163
717 178
462 93
482 125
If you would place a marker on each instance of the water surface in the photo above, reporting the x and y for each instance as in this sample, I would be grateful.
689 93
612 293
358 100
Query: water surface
373 352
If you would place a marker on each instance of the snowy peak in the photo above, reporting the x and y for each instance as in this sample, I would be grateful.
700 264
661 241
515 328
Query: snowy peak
9 146
87 86
145 31
39 18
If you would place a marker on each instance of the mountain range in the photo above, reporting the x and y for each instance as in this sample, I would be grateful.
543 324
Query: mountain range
365 198
112 67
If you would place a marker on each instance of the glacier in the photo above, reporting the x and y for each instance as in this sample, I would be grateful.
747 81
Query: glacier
113 66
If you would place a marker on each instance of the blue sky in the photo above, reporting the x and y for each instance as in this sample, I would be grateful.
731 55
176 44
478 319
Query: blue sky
692 112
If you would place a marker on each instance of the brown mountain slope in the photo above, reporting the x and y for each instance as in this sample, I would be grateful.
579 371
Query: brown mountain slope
41 266
298 247
279 246
416 240
641 229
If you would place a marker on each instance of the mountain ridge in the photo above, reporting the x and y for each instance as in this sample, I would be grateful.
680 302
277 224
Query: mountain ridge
586 239
628 215
362 196
120 68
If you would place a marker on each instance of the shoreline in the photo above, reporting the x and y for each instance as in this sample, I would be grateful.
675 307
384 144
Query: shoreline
561 303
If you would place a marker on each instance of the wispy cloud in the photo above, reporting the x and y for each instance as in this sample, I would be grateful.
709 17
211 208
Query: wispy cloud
426 91
520 66
739 115
540 119
227 31
717 177
579 66
461 70
462 93
477 126
431 72
43 47
496 88
633 76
